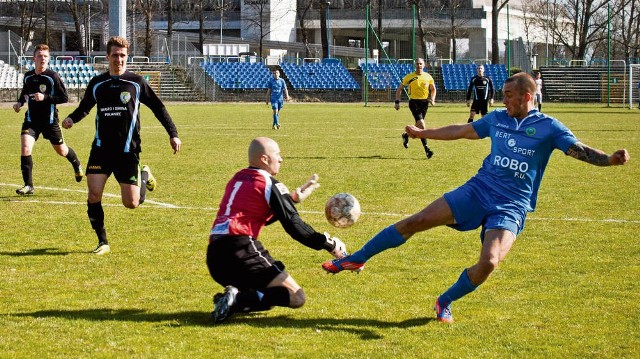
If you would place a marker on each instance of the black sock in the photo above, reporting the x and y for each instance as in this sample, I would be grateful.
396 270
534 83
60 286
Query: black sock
144 177
254 301
102 236
73 158
26 166
96 218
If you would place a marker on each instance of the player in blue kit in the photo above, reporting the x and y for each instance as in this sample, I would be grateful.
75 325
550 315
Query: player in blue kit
499 196
276 94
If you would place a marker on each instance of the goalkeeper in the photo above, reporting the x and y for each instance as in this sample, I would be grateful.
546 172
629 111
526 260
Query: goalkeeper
236 259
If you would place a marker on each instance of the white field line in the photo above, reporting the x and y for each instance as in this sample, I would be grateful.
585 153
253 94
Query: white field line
213 209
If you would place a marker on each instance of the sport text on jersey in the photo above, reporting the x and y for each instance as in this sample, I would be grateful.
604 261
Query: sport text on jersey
519 167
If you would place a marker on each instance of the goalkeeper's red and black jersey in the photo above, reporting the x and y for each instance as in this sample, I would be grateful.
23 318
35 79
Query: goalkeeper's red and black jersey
481 87
254 199
50 85
118 100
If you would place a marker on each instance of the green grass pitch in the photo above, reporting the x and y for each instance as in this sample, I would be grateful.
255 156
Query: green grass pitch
569 287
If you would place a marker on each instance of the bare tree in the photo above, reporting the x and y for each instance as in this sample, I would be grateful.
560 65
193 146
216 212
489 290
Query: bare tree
78 12
324 37
422 33
302 11
28 20
579 24
169 6
260 18
222 6
455 22
147 7
627 27
201 25
497 6
529 25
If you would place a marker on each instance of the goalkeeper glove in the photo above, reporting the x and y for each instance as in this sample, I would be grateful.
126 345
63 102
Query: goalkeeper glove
339 248
302 192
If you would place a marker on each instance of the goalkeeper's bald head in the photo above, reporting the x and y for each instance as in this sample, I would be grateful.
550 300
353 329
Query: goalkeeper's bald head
264 153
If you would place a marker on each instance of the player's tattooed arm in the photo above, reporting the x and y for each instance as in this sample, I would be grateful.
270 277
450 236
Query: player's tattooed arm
587 154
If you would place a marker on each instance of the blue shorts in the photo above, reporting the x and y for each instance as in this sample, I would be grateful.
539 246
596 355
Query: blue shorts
474 204
277 104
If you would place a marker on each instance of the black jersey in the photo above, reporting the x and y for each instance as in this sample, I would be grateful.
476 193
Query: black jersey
118 100
481 87
50 85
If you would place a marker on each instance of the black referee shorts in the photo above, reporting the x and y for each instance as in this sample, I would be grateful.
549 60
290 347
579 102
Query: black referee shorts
480 106
241 261
418 108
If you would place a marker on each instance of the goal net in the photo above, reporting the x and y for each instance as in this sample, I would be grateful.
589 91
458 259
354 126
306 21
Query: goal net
634 85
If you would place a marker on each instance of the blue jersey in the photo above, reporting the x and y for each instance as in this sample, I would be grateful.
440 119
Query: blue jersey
520 151
277 89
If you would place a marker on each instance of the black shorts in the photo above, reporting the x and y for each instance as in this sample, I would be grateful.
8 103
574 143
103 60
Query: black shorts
480 106
241 261
418 108
124 166
50 132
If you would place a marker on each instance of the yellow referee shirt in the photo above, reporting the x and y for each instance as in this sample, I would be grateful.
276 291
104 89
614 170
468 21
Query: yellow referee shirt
418 85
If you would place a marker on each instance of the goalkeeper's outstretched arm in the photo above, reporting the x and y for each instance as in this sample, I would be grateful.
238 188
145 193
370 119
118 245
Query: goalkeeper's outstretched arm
284 211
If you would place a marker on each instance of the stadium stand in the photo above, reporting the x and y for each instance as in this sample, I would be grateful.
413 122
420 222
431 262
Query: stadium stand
10 78
386 75
457 76
74 73
319 75
238 75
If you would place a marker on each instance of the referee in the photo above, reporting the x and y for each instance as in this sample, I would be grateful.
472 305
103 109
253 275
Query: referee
422 92
481 87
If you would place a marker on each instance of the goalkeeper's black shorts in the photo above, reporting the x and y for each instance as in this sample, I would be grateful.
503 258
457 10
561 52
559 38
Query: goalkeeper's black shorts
241 261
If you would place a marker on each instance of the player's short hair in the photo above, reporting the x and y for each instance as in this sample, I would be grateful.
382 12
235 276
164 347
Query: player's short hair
524 82
117 41
41 47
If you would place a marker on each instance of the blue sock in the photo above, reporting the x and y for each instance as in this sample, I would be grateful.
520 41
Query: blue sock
458 290
275 119
385 239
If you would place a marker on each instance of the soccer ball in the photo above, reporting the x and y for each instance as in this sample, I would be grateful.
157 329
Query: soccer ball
342 210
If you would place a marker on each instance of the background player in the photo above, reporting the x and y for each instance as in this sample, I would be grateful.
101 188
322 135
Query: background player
42 90
538 99
481 87
236 258
499 196
276 94
421 91
118 94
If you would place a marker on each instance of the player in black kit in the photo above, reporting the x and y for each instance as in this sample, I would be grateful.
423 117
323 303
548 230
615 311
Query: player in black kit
482 89
118 94
42 91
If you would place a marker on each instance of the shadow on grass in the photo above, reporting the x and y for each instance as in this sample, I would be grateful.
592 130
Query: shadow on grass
372 157
365 328
38 252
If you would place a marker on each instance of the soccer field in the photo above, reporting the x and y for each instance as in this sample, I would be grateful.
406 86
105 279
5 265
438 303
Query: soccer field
569 288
